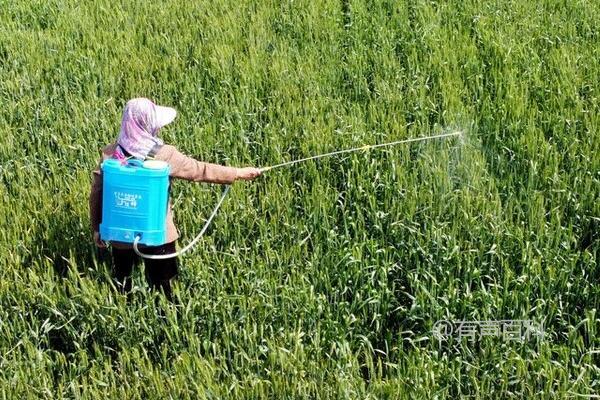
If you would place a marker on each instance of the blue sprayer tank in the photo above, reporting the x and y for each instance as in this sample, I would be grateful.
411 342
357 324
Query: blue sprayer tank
135 196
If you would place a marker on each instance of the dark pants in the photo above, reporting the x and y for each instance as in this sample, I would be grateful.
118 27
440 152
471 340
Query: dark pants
158 272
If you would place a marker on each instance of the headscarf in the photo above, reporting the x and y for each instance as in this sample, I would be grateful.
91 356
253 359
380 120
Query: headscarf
141 122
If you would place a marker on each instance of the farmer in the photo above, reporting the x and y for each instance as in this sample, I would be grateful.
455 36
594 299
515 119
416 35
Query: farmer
138 138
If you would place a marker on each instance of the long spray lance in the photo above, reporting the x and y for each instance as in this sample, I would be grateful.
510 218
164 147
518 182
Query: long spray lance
365 147
269 168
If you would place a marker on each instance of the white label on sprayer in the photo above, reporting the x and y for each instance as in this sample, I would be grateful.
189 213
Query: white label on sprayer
127 200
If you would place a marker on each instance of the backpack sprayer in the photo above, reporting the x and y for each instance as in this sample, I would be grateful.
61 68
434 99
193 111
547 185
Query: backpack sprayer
135 198
134 201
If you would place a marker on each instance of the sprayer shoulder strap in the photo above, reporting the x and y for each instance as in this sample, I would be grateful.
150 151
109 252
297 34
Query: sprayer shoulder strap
153 151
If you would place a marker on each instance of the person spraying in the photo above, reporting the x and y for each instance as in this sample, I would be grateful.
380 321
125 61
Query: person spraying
138 139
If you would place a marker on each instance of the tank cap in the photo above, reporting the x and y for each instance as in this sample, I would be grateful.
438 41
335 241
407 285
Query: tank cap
155 164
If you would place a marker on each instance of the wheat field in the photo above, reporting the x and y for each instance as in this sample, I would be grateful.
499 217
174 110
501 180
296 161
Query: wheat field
326 279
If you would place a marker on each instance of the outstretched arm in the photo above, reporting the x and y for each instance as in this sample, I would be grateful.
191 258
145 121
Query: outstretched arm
185 167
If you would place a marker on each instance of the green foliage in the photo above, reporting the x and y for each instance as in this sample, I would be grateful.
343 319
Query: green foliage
323 280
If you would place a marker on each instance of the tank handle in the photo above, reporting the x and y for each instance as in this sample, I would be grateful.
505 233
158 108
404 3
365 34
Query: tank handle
135 163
